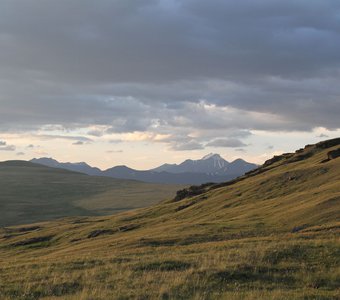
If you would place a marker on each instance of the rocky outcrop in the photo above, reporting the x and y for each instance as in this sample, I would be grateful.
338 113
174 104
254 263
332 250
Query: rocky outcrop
33 241
277 158
328 143
333 154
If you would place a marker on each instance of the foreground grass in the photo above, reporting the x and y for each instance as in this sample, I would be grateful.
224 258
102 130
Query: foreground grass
273 235
304 266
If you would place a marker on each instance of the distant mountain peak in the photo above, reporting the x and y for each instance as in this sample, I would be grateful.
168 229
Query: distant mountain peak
239 160
212 155
81 163
81 167
46 159
122 167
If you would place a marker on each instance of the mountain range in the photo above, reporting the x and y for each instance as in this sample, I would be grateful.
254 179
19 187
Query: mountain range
211 168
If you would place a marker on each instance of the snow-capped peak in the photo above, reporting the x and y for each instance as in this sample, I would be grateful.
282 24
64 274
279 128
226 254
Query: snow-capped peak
211 155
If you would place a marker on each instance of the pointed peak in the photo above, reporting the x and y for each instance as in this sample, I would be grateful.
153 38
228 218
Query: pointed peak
211 155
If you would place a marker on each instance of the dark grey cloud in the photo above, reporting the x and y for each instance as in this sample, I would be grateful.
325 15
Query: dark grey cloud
228 143
78 143
170 66
97 133
171 40
187 145
5 147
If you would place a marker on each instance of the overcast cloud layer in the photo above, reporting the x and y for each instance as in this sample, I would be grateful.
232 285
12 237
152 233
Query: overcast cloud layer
204 69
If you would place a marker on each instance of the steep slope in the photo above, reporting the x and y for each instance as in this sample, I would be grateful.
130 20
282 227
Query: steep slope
271 234
32 192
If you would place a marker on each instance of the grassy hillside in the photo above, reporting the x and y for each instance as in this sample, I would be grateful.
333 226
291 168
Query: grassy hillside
273 234
32 192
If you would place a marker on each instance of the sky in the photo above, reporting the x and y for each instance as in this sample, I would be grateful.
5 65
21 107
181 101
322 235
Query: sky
145 82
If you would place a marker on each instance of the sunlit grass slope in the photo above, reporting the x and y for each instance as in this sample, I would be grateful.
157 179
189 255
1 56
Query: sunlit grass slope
31 192
273 234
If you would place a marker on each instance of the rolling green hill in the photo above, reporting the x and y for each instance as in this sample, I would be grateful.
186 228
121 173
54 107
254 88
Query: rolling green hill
272 234
32 192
